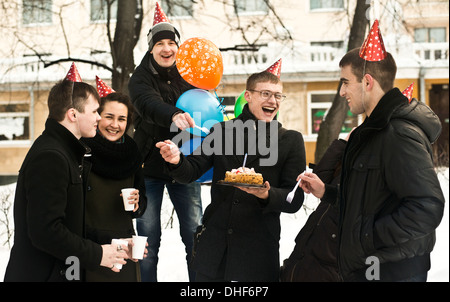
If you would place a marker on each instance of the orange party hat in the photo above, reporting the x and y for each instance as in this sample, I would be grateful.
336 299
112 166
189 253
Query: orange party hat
373 47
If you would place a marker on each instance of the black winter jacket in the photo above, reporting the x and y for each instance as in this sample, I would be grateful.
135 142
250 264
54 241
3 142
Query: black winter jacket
154 91
391 201
49 210
242 231
314 258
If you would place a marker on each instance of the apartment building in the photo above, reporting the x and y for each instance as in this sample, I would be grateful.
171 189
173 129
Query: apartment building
310 36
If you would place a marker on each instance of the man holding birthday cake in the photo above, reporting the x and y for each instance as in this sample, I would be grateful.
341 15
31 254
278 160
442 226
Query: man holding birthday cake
239 237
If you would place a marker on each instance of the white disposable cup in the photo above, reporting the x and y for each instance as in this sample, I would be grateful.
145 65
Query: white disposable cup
125 194
119 242
138 246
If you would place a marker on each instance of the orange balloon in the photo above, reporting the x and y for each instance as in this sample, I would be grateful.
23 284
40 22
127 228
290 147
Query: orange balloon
200 63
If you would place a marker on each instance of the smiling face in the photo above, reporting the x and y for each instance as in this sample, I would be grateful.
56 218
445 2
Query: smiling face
89 119
114 120
264 110
352 90
164 52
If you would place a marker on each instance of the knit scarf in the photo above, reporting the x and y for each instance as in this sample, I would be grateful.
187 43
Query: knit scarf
112 159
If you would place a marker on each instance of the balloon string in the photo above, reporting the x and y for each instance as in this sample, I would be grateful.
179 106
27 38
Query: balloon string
221 106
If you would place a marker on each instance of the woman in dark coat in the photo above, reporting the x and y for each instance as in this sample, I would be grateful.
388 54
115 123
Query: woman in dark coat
115 164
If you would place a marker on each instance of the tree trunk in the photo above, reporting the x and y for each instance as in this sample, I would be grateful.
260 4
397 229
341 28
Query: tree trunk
333 121
128 27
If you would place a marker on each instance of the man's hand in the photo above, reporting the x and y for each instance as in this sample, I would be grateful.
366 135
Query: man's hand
311 183
262 193
169 151
183 120
112 254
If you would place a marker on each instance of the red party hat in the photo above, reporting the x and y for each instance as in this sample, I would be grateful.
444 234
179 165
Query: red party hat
275 68
373 47
159 15
408 92
73 74
102 88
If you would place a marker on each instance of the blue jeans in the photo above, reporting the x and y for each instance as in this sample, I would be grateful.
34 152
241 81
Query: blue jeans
186 199
417 278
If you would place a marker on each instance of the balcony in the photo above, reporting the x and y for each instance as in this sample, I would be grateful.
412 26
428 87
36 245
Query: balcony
301 59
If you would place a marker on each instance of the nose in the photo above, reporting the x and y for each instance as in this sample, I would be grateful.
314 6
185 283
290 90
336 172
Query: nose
115 123
342 91
272 98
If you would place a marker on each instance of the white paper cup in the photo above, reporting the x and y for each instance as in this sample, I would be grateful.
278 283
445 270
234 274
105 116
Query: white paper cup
138 246
125 194
122 243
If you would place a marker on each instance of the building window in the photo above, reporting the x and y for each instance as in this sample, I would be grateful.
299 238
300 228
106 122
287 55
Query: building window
251 6
37 12
177 8
99 10
431 43
14 121
326 4
429 35
320 103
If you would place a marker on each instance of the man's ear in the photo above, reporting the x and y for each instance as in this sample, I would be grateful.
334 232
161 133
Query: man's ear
247 96
71 115
368 82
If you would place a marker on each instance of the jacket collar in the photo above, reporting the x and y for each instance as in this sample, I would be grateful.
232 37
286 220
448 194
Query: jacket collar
245 116
164 72
66 138
384 110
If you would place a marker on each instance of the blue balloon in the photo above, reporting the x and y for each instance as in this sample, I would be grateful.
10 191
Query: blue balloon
204 108
189 147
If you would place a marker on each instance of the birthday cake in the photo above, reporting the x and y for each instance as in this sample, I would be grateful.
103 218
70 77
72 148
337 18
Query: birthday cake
244 175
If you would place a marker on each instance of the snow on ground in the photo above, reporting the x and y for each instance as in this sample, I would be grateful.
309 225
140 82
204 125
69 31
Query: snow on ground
172 263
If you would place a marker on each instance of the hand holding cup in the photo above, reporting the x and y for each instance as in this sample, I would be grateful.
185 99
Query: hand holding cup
130 198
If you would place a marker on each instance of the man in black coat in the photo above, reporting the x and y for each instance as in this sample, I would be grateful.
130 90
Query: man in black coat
49 200
390 197
241 227
155 87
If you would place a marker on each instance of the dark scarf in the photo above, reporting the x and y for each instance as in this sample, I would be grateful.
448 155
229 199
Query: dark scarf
166 73
112 159
247 115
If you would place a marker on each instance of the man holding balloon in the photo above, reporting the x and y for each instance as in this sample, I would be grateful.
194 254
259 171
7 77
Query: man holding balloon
155 87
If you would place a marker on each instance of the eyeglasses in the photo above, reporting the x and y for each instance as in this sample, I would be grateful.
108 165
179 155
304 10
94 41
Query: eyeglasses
266 95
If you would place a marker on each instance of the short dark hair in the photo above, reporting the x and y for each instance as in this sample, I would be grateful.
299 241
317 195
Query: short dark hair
67 94
259 77
383 71
121 98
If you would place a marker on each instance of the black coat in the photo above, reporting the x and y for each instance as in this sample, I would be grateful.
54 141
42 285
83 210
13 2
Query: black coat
243 232
314 258
390 199
114 166
49 210
155 92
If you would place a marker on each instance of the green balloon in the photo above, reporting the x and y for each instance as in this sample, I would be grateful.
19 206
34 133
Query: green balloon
240 102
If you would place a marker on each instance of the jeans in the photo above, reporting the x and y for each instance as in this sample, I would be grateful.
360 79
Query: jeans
186 199
417 278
